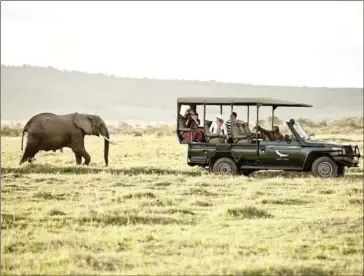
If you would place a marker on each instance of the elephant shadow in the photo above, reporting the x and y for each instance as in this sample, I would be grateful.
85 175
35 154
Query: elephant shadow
82 170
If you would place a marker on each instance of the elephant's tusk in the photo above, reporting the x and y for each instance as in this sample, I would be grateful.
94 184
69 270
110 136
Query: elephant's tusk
107 139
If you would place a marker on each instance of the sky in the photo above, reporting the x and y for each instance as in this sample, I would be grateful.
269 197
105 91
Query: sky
299 43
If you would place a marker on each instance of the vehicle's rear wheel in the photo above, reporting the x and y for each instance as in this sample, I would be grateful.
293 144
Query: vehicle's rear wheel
341 171
246 172
324 167
225 165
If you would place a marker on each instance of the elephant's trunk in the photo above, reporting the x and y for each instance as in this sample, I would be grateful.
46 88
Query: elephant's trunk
105 134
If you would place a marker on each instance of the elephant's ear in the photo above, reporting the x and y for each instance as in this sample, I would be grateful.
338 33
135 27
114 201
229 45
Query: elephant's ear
84 123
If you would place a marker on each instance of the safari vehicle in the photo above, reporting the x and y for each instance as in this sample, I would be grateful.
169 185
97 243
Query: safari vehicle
248 152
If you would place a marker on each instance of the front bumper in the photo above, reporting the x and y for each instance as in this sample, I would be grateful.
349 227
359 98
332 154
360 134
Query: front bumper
349 160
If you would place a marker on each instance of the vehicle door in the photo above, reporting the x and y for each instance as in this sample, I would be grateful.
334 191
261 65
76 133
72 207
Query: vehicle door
281 154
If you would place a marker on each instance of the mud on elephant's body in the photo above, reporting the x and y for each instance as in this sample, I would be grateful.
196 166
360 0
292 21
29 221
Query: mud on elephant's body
48 131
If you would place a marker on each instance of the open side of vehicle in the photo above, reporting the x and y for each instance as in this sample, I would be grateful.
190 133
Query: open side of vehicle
248 152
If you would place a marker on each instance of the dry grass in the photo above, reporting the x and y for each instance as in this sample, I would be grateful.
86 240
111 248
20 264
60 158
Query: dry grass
149 213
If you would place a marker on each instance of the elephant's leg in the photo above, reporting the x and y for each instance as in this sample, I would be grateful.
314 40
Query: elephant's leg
25 156
78 159
29 153
87 157
33 152
82 152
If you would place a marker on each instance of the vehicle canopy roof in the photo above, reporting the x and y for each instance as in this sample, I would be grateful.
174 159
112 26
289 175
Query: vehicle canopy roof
238 101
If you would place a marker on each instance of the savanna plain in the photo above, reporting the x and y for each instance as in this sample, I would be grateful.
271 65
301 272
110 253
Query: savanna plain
149 213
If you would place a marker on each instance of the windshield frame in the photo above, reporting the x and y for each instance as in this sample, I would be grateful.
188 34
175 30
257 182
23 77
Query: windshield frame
300 131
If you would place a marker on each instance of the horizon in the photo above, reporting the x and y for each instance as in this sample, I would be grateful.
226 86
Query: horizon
161 79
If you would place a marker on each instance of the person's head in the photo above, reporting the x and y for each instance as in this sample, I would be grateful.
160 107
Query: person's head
193 106
275 129
219 120
233 116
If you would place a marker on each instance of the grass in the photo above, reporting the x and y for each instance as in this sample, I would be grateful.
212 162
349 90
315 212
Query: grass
150 213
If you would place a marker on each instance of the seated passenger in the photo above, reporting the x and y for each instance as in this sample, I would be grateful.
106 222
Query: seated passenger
218 127
228 126
273 135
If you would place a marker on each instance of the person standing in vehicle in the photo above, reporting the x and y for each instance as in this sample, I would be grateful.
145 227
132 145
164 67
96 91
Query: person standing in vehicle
188 113
228 126
193 121
273 135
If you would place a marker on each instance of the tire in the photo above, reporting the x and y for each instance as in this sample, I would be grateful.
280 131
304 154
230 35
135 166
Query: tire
225 166
341 171
324 167
246 172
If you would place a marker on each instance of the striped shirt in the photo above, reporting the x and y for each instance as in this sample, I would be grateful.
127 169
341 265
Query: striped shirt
228 127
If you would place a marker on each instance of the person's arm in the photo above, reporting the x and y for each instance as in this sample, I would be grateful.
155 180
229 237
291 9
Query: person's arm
225 127
212 127
266 132
188 123
225 130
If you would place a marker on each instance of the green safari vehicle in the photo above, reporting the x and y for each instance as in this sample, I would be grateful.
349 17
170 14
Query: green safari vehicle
247 151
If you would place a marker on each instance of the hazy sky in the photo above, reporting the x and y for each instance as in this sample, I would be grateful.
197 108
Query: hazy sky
281 43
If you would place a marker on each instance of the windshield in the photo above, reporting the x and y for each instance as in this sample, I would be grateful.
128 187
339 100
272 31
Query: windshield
301 132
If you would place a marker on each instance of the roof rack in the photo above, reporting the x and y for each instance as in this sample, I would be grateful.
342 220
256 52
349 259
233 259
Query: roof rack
238 101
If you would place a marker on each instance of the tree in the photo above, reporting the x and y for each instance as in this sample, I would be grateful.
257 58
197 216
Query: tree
277 121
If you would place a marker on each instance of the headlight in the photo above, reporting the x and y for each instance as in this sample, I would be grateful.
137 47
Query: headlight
339 150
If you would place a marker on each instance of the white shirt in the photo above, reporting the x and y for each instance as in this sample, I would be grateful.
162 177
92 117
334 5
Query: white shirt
213 129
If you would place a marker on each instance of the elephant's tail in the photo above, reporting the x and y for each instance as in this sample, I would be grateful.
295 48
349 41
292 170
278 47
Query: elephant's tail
22 137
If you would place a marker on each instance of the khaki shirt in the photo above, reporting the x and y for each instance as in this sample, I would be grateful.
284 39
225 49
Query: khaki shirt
273 136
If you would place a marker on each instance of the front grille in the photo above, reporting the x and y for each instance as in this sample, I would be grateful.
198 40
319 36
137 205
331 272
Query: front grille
349 150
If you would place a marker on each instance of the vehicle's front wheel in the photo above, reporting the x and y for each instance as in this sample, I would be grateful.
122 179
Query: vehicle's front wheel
324 167
225 166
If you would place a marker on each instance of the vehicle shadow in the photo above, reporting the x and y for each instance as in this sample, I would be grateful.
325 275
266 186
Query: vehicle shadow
50 169
288 175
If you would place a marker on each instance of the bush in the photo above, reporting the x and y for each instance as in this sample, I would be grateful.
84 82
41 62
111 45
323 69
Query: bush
12 131
344 125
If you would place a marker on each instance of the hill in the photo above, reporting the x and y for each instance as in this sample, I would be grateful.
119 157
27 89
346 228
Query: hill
28 90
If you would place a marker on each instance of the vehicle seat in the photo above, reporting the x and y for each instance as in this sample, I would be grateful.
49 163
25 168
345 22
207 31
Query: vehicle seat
182 125
238 133
248 130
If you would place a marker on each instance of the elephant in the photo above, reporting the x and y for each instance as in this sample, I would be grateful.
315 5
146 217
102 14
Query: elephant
48 131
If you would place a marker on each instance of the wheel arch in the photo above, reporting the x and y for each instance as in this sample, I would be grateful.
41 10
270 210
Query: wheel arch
312 157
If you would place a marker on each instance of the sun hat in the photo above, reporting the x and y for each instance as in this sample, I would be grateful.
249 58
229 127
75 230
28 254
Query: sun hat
219 116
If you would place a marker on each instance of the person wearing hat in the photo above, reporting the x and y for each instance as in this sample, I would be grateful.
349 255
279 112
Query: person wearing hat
218 127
